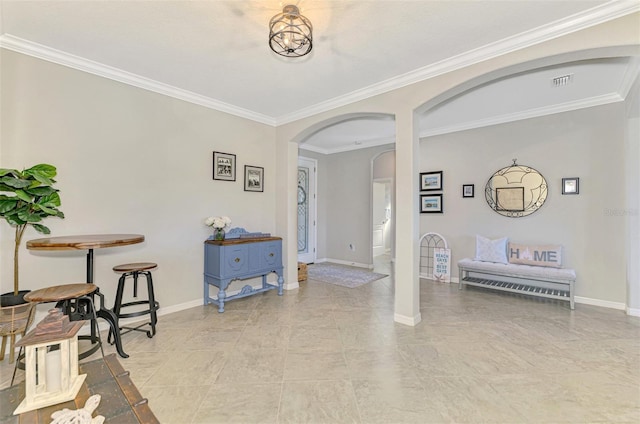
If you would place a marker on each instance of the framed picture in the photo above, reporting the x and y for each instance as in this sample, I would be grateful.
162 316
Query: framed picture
570 185
430 181
431 203
510 199
224 166
467 190
253 178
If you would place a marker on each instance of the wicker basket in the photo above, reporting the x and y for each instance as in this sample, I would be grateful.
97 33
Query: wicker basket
302 271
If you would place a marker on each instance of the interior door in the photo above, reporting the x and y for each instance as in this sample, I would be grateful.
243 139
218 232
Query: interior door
306 210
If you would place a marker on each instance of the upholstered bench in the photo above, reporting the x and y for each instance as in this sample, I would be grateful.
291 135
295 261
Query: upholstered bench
554 283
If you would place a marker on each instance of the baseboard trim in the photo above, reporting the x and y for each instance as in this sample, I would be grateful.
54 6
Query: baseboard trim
291 286
411 321
634 312
601 303
454 280
341 262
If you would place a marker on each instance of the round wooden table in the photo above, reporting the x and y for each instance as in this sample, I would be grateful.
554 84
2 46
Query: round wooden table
90 242
85 242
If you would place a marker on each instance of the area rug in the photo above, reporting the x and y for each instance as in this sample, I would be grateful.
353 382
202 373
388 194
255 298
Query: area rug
342 275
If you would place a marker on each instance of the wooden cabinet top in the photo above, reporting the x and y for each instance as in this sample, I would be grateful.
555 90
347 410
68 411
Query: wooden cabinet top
228 242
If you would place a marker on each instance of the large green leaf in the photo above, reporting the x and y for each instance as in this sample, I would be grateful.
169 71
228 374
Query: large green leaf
41 229
16 183
28 216
6 171
42 172
50 201
14 220
7 204
47 211
24 196
40 191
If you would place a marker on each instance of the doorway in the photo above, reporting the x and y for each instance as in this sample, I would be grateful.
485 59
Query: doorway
307 173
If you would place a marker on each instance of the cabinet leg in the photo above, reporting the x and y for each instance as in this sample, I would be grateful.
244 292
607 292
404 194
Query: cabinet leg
221 295
280 284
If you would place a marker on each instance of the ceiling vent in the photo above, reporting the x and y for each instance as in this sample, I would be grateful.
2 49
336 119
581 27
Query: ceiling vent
562 80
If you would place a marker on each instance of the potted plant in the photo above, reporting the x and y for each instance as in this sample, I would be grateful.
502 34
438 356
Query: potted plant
32 198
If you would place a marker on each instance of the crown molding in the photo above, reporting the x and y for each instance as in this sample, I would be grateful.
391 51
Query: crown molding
577 22
363 145
630 77
17 44
527 114
588 18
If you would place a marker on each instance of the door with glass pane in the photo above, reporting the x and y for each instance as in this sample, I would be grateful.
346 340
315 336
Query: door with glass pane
306 210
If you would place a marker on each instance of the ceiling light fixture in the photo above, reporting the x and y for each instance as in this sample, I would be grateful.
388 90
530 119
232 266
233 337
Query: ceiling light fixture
290 33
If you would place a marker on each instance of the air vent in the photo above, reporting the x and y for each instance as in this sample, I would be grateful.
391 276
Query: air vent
562 80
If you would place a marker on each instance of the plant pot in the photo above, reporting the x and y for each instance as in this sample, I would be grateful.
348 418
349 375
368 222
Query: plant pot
9 299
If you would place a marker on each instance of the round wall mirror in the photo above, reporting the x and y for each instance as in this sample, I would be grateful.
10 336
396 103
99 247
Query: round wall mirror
516 191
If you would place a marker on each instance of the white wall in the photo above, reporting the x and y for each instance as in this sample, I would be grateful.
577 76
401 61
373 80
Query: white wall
588 144
632 210
129 161
344 203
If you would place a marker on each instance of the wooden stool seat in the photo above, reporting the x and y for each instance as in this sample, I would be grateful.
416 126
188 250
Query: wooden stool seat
138 266
58 293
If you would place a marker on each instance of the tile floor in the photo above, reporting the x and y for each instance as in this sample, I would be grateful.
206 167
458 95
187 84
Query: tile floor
329 354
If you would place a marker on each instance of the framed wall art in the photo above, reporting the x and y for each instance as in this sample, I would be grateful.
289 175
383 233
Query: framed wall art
224 166
430 181
431 203
253 178
571 185
468 190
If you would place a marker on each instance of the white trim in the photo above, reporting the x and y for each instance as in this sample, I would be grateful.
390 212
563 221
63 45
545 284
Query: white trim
594 16
550 31
341 262
629 77
527 114
602 303
634 312
17 44
454 280
363 145
291 286
411 321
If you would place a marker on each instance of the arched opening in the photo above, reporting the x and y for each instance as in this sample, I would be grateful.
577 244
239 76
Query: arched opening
344 148
573 136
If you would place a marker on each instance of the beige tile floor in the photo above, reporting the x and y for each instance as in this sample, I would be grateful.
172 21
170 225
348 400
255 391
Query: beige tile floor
329 354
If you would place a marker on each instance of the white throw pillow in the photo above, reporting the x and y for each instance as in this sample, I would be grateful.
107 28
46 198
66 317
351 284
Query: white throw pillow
491 250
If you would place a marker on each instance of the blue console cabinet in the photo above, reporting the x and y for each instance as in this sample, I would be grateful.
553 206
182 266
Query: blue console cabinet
239 259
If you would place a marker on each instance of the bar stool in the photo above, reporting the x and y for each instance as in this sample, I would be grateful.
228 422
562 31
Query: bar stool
134 270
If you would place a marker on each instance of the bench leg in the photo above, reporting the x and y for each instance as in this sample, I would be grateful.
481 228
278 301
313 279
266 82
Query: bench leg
571 298
460 278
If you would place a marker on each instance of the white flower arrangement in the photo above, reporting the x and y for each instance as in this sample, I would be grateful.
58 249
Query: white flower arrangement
218 222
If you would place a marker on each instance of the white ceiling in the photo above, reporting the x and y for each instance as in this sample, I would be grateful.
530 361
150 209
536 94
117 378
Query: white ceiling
215 53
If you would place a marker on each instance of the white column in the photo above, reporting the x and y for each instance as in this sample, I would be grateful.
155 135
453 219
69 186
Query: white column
286 212
407 285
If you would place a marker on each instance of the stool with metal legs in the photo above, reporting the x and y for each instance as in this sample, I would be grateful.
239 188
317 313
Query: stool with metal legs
150 304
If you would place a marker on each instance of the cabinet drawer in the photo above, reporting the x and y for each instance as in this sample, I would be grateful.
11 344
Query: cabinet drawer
235 260
270 254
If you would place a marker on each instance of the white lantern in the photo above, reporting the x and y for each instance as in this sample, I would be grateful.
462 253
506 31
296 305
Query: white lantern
51 362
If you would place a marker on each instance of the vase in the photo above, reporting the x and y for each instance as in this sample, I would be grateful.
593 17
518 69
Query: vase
218 233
